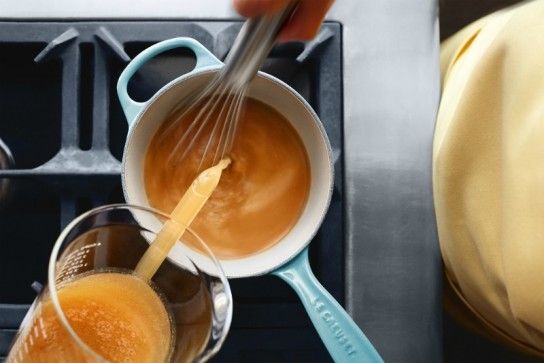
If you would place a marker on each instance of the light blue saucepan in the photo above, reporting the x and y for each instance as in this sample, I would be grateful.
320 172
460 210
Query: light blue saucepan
288 259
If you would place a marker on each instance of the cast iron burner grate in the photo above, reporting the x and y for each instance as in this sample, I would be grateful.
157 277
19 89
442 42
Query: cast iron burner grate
60 118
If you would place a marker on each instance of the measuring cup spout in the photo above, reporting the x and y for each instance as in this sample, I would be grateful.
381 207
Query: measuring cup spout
342 337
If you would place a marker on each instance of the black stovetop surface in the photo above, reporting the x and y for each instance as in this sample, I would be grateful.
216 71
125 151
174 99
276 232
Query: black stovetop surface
60 117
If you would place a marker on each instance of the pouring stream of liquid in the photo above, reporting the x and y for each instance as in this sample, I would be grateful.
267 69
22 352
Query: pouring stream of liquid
181 217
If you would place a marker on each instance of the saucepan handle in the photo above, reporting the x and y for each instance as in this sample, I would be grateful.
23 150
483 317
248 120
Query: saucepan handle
204 58
342 337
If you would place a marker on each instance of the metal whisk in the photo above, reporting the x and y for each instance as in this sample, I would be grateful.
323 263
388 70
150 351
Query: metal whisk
219 104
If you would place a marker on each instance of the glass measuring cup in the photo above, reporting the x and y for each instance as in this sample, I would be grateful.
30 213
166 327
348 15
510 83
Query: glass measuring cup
109 241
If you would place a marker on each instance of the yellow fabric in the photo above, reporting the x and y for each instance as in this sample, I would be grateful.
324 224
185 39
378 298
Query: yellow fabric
488 173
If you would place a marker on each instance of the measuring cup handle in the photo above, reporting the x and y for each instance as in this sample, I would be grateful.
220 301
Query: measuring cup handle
131 108
342 337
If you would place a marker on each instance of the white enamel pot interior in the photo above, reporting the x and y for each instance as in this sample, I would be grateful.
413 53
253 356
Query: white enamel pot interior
295 109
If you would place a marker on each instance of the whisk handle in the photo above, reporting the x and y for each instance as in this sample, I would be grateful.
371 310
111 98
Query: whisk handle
204 59
253 43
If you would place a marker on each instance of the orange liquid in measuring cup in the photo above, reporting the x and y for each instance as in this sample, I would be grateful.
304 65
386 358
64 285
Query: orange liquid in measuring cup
118 315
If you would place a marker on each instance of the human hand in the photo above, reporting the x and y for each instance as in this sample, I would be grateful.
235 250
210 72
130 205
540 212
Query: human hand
304 22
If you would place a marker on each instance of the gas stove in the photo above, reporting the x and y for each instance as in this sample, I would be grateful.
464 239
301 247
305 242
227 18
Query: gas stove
66 132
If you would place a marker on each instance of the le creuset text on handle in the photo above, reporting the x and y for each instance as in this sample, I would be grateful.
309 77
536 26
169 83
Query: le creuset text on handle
342 337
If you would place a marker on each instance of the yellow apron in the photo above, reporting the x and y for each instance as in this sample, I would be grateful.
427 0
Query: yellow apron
488 175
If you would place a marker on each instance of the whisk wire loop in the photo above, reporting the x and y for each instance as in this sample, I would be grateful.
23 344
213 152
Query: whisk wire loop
219 104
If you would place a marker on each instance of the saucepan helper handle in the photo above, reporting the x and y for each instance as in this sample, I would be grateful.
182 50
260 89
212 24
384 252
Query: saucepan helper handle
342 337
204 58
